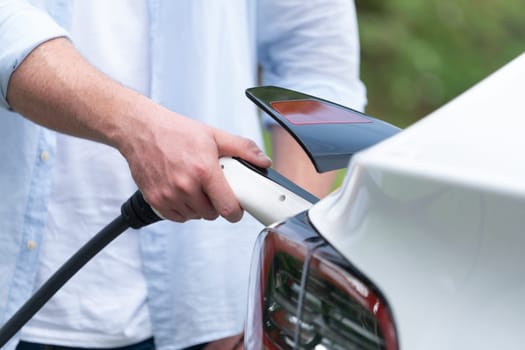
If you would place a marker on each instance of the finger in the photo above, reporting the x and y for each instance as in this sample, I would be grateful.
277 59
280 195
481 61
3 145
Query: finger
210 213
235 146
191 207
174 215
222 197
179 210
200 204
188 212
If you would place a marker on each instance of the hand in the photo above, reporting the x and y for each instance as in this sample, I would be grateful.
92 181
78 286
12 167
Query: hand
175 162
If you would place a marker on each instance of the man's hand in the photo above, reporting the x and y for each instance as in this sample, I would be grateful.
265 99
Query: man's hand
173 159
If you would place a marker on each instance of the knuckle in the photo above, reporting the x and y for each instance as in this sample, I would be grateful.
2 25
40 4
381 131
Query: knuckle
183 185
165 196
202 171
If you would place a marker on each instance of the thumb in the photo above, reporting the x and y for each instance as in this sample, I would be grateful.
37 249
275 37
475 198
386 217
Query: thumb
236 146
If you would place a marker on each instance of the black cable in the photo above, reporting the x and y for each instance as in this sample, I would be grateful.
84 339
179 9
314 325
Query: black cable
136 213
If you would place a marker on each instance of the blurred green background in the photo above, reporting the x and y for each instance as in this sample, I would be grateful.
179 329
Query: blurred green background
418 54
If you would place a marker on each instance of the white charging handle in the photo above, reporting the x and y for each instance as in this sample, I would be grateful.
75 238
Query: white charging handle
264 198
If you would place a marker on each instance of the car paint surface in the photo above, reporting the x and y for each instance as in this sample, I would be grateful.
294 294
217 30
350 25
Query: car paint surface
435 217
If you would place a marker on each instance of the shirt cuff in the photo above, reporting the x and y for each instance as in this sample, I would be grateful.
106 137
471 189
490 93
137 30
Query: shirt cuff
22 29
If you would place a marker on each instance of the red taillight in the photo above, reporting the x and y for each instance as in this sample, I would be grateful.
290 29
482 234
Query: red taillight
353 312
339 310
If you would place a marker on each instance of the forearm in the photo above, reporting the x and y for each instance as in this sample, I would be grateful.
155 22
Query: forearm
290 160
57 88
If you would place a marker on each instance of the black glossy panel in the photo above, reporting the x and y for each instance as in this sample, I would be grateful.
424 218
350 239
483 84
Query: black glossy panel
283 181
329 133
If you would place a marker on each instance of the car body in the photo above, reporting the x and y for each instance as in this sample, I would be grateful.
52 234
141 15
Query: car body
422 247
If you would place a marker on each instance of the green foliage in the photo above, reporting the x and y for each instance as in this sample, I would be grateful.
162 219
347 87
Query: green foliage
418 54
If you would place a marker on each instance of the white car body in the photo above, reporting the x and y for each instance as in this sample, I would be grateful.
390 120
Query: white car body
435 217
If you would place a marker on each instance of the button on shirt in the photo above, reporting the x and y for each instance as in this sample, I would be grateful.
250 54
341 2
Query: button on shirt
204 54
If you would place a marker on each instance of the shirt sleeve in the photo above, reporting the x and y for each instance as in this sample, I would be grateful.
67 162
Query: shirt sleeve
22 28
312 47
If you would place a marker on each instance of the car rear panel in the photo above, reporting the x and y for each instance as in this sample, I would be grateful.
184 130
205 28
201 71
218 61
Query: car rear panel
435 218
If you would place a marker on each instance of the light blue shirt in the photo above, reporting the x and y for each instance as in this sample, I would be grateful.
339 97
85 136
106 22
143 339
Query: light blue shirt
204 54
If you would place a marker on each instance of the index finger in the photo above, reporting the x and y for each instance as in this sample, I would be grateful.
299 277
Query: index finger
236 146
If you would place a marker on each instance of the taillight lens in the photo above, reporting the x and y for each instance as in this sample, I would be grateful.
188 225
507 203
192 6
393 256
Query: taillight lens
304 295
